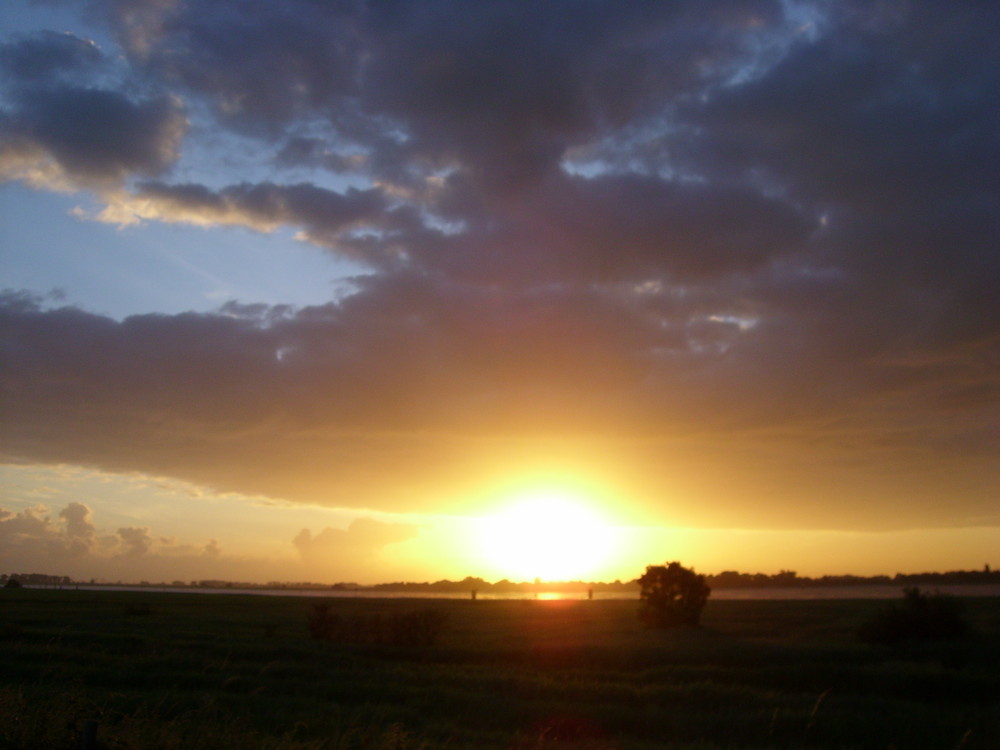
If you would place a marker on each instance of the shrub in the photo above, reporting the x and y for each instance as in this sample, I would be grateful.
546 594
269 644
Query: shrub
410 629
920 617
672 595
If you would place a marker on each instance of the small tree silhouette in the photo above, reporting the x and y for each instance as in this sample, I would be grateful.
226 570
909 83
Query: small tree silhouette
672 595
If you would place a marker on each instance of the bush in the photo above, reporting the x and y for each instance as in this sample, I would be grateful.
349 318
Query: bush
410 629
672 595
920 617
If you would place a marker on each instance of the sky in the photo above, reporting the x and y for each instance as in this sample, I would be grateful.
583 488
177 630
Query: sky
374 291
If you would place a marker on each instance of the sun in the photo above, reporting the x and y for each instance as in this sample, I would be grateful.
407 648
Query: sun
546 534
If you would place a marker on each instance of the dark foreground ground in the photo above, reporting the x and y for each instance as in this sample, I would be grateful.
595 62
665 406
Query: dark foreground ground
190 671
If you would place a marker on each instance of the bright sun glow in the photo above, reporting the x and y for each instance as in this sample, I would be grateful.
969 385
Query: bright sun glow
548 535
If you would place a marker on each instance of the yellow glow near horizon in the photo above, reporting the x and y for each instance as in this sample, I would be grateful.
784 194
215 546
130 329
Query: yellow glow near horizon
546 534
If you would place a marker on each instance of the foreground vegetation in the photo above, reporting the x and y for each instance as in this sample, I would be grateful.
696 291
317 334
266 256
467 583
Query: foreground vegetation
159 670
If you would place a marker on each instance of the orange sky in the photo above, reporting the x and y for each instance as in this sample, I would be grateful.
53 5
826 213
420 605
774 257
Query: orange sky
717 280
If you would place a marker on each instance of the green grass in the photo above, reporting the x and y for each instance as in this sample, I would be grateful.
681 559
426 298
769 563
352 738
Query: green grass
160 670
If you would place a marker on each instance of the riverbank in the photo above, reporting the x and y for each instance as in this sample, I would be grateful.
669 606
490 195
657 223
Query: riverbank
797 593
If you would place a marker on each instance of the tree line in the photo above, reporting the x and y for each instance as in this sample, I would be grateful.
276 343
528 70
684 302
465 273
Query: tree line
729 579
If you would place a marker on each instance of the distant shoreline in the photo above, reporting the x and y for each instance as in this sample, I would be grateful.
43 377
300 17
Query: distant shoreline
788 593
726 585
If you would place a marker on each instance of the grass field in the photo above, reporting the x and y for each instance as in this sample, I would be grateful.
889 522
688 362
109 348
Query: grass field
159 670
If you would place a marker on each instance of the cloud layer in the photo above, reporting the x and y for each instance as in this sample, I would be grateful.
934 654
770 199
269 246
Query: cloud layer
747 248
36 540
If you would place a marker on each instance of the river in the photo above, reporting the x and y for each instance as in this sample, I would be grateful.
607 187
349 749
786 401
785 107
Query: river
890 591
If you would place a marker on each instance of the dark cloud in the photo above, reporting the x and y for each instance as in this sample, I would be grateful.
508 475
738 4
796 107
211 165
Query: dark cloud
317 152
872 116
642 227
887 125
437 381
89 135
503 88
42 57
64 122
261 64
101 133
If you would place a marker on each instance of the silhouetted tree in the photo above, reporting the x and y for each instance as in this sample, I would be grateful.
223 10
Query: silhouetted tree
672 595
